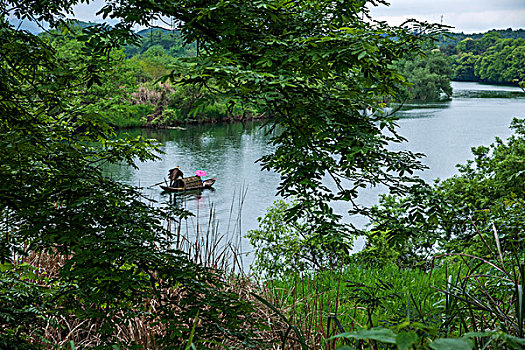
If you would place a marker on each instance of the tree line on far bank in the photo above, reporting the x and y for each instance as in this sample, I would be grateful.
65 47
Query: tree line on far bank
133 93
495 57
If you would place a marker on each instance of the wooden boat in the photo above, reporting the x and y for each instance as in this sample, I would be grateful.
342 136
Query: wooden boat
190 184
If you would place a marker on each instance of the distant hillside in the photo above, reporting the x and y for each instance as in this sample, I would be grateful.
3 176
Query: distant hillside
508 33
170 41
83 24
150 31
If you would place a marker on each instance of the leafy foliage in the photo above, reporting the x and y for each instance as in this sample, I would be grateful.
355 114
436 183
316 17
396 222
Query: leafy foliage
410 340
284 248
115 256
454 38
379 250
316 67
22 306
490 59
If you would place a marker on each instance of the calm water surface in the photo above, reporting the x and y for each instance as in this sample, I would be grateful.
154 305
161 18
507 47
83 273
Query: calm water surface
444 131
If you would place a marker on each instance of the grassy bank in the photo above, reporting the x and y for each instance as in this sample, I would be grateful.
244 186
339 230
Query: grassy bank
459 304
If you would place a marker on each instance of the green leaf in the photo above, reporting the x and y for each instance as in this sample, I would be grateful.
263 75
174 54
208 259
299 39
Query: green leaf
405 340
514 342
452 344
380 334
6 267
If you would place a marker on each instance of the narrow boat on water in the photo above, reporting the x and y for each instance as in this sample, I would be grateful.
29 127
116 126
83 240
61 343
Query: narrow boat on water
190 184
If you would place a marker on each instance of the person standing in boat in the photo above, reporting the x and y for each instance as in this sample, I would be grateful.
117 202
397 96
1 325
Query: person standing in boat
175 174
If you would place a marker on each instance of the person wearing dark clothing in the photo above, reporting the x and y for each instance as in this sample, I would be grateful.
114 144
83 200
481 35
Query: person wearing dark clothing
175 174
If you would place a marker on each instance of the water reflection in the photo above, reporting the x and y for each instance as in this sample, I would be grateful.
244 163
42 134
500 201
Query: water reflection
478 90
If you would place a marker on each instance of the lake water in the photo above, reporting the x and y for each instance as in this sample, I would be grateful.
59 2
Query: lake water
444 131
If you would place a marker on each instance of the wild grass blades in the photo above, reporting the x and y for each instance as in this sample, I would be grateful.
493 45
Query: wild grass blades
201 237
39 271
486 294
352 297
309 305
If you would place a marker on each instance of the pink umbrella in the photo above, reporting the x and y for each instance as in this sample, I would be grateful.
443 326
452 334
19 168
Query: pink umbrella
200 173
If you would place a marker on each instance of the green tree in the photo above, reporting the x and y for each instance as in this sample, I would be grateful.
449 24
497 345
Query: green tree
515 68
503 62
158 54
463 67
490 66
469 45
171 41
489 39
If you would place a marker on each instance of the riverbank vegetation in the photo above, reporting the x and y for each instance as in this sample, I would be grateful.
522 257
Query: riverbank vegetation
88 262
131 92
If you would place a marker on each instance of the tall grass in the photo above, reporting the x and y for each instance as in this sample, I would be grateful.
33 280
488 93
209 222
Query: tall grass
486 293
476 300
353 297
